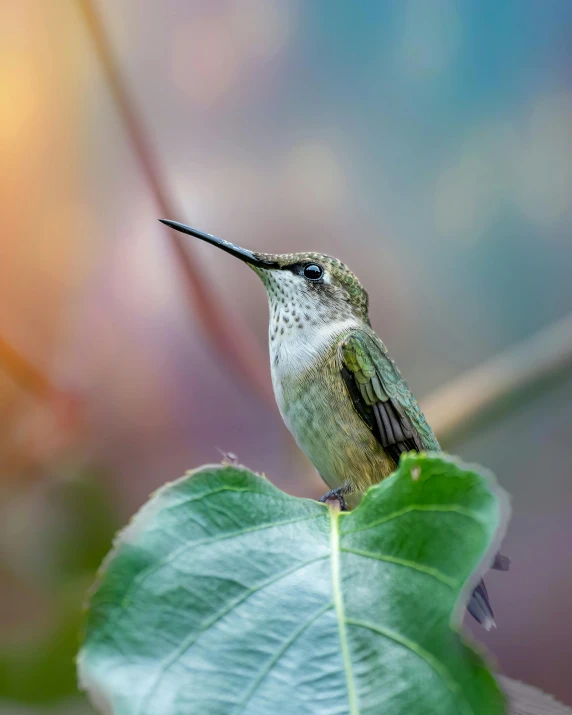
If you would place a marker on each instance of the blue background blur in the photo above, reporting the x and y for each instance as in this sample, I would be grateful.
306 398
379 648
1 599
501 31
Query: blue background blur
427 143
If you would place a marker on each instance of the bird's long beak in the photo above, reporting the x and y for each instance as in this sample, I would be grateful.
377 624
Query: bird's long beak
243 253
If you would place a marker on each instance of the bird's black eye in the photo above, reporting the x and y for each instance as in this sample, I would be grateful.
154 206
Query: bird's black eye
313 272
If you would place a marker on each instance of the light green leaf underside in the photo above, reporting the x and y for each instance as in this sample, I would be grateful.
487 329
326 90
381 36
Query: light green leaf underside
227 596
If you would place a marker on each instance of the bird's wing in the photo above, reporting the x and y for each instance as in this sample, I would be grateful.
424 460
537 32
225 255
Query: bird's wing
381 396
385 403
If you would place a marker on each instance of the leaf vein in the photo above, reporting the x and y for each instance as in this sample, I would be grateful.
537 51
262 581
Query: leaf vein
420 568
437 666
224 488
279 653
437 508
191 640
143 575
339 606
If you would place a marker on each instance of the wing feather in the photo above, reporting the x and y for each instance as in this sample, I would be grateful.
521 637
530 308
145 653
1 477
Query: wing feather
381 396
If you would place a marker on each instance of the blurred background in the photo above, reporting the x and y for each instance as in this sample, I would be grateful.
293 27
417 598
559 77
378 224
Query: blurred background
427 143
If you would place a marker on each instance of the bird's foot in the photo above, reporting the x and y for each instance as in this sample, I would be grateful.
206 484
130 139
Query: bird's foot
335 496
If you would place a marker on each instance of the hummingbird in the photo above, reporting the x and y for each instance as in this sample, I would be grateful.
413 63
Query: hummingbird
338 391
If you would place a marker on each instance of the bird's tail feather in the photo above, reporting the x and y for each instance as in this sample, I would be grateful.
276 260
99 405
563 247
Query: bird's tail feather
480 608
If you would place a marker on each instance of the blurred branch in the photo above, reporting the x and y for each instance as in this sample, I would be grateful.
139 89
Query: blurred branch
500 384
229 335
526 700
57 424
21 370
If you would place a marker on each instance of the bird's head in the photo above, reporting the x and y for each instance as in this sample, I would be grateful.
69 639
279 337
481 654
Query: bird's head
314 286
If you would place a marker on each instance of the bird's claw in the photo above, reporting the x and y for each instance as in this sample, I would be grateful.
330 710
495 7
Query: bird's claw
335 495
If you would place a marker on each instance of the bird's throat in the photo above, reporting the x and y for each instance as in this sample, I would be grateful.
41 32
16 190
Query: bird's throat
304 345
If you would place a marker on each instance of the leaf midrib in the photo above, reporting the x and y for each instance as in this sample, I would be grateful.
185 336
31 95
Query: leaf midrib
340 612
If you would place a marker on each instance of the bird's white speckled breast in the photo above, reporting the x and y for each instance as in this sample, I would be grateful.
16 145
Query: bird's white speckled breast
316 407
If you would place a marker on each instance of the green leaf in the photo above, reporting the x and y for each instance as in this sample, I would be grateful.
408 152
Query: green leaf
226 595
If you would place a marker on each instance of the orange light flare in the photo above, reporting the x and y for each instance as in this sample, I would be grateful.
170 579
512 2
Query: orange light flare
41 260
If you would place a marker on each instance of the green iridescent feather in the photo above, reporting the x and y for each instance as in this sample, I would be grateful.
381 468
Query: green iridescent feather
379 380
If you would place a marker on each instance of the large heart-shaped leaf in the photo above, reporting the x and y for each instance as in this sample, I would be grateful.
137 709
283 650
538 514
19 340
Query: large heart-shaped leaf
227 596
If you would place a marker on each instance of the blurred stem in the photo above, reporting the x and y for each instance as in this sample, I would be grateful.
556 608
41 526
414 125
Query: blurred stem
228 334
65 406
501 384
528 700
21 370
